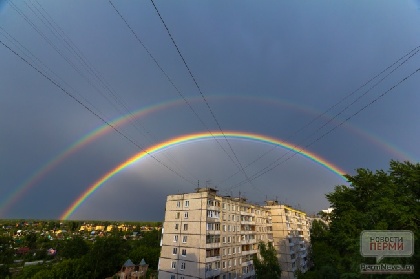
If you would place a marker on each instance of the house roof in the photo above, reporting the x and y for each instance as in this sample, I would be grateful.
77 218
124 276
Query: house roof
128 263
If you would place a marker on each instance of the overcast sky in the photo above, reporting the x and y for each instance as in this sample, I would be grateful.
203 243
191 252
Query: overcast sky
336 78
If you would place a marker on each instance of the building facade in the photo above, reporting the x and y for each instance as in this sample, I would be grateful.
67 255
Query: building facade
210 236
291 238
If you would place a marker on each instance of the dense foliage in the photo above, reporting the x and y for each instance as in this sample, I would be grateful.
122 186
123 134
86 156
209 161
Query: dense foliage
78 257
267 267
374 201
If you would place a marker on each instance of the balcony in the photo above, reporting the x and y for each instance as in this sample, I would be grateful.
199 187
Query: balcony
213 245
212 207
212 259
249 241
247 213
213 232
213 219
250 274
248 252
212 273
250 262
248 222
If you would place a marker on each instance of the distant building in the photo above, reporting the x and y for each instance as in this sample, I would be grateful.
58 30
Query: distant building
131 271
210 236
291 238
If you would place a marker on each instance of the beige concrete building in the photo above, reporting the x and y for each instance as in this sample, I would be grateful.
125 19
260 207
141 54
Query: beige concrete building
291 238
211 236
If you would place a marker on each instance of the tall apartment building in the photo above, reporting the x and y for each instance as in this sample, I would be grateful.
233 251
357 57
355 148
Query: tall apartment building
291 238
211 236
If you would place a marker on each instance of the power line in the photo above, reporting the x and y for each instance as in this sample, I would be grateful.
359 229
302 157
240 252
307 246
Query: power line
92 112
259 174
72 48
407 57
173 84
201 93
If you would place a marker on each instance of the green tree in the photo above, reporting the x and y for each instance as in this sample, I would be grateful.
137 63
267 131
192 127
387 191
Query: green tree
30 240
107 256
381 200
6 251
74 248
147 248
4 271
67 269
267 267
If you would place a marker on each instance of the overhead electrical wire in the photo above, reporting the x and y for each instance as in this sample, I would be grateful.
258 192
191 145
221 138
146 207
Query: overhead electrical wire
102 81
92 112
391 67
72 48
259 174
202 95
237 162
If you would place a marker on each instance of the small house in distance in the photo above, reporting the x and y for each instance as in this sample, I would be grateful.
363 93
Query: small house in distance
131 271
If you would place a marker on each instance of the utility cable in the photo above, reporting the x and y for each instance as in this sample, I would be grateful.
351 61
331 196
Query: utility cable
171 81
201 93
92 112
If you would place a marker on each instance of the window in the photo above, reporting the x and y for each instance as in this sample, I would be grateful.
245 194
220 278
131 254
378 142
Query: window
182 265
176 226
224 239
233 250
229 239
224 252
184 252
175 238
187 203
184 239
224 228
229 263
224 264
172 276
185 227
213 213
228 251
217 265
186 215
178 204
213 226
177 215
174 251
173 265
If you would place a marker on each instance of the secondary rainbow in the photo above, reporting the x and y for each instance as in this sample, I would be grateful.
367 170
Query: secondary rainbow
194 137
7 201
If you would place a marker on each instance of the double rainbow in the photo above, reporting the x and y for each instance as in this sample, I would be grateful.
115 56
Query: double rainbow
191 138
